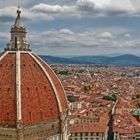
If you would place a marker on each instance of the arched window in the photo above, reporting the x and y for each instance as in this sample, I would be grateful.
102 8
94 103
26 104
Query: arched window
15 42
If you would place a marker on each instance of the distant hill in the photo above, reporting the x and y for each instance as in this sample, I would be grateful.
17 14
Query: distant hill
123 60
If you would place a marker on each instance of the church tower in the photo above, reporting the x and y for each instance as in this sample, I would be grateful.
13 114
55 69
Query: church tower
33 104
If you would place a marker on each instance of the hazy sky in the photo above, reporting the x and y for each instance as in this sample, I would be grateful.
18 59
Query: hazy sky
76 27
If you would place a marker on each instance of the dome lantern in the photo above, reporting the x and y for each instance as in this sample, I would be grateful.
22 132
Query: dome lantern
18 40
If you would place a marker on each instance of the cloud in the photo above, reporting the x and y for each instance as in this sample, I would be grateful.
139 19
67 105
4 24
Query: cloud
81 8
66 31
7 14
127 35
4 35
72 36
117 11
69 42
106 35
76 10
66 37
92 8
86 5
134 43
8 3
47 8
55 10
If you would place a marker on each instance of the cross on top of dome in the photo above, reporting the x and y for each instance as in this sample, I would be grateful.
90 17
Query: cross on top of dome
18 10
18 22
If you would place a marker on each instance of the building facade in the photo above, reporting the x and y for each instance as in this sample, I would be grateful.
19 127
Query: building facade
88 136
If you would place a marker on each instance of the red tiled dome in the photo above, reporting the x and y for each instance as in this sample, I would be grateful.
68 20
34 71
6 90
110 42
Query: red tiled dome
42 95
33 103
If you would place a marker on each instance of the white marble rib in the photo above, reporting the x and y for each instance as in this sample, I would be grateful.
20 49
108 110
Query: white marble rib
18 87
3 55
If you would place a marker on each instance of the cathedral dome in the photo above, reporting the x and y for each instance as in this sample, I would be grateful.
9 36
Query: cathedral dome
33 102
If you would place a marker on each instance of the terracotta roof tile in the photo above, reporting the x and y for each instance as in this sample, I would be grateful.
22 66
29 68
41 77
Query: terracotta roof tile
57 84
7 91
38 99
